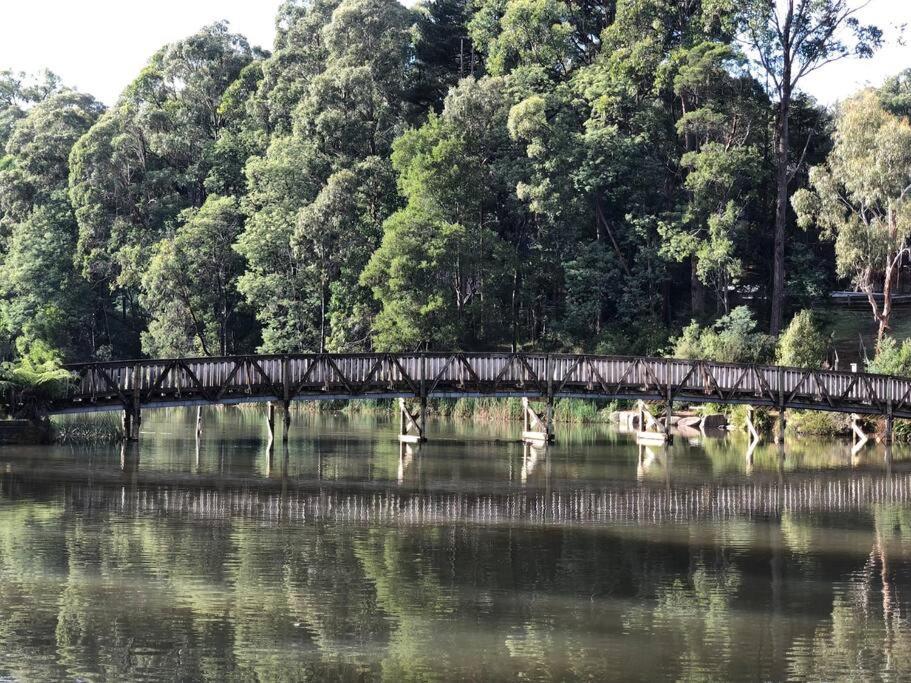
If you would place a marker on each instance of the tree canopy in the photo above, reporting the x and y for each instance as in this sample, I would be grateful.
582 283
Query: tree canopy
472 174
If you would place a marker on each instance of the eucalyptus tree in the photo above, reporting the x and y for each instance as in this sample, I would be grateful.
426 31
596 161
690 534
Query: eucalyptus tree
789 40
299 54
190 285
42 297
18 92
445 274
150 157
351 108
615 127
720 124
861 198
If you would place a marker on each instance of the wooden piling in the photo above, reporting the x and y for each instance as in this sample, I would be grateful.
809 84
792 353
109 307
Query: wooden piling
859 436
537 427
270 419
751 428
410 425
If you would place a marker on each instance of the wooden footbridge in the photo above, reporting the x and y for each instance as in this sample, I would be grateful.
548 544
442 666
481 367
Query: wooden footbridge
131 386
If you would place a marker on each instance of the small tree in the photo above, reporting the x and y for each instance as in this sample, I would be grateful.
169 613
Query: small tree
861 198
803 344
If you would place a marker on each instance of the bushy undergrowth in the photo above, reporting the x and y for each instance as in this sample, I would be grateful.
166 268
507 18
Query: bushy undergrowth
818 423
737 416
901 430
733 338
891 358
803 344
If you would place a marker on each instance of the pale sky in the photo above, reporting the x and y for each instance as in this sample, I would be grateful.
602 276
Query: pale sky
99 46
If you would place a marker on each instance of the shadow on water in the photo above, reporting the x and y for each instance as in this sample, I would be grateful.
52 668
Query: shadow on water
343 554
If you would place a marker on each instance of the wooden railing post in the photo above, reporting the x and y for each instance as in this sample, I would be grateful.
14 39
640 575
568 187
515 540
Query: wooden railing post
548 370
890 391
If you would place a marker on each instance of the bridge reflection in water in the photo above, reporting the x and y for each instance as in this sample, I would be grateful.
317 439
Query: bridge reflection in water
280 499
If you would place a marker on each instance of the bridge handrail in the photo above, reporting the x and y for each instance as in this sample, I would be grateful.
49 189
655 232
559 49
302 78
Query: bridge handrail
287 377
149 362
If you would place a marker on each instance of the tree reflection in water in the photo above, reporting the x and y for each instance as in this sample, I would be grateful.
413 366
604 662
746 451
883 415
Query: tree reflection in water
100 587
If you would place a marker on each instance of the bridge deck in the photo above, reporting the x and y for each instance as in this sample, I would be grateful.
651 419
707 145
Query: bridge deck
160 383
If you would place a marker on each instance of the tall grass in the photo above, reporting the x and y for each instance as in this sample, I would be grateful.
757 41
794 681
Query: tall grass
99 429
568 410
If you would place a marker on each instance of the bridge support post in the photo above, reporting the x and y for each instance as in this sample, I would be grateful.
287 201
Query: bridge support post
135 422
198 420
287 419
411 428
859 437
537 428
890 422
286 397
751 427
270 420
782 426
131 422
647 421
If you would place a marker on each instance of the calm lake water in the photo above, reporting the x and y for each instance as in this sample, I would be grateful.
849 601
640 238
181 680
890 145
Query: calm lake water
341 557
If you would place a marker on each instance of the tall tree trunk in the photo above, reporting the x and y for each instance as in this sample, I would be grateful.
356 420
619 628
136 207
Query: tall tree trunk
697 290
515 309
322 316
781 209
886 311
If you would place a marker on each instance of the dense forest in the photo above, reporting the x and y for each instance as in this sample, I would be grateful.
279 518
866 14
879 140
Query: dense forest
474 174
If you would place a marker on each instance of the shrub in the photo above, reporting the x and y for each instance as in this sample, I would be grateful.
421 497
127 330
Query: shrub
731 339
803 344
891 358
35 378
762 418
818 423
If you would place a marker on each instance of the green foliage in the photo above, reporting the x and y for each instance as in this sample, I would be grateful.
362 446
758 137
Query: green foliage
190 284
169 141
318 195
732 339
440 270
41 296
818 423
891 358
34 378
803 343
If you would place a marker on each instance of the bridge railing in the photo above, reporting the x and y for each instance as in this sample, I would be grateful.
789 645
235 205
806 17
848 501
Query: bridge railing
534 374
